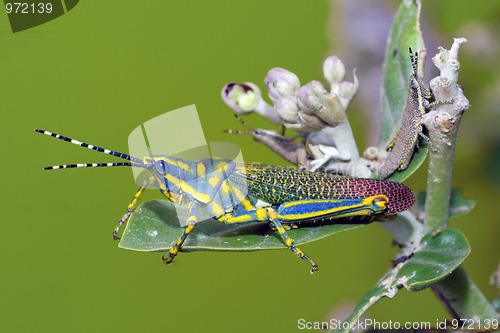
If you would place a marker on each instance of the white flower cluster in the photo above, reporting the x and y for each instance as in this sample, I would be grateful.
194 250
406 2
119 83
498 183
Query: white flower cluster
317 112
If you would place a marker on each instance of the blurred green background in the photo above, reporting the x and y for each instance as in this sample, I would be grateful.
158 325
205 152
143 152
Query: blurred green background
105 67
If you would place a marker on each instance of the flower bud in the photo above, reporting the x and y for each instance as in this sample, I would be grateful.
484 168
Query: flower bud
310 122
347 90
371 153
333 111
287 109
310 97
281 82
241 97
334 70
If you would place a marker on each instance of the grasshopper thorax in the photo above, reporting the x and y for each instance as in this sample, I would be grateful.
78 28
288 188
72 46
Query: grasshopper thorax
180 179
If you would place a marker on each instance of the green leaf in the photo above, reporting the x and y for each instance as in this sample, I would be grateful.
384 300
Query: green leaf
154 226
495 303
495 278
436 257
405 32
458 205
396 70
417 159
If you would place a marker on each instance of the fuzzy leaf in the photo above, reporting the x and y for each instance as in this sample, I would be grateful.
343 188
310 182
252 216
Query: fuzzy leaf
436 258
458 205
396 70
417 159
495 303
154 226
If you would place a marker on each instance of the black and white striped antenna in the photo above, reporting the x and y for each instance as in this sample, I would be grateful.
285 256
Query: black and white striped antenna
414 61
134 161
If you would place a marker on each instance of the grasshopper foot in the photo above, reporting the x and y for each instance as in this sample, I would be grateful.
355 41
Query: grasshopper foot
169 257
303 256
122 222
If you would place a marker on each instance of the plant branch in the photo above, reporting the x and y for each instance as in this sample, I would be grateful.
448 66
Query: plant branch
442 124
459 294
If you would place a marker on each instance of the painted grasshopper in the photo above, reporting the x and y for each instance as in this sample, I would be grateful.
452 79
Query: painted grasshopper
405 142
240 192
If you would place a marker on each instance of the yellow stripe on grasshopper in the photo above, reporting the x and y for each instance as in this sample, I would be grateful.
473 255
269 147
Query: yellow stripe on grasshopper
230 218
181 184
201 169
242 199
185 166
214 180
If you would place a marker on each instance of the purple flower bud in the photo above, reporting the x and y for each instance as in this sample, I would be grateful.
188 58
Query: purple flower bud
287 109
371 153
245 98
310 97
241 97
334 70
347 90
310 122
281 82
333 111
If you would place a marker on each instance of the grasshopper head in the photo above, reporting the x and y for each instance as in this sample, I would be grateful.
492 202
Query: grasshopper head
417 83
163 168
174 177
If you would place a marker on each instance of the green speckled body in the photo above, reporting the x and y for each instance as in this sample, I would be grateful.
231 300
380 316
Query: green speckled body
276 185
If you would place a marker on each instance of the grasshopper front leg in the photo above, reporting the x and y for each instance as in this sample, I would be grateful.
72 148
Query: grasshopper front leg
131 207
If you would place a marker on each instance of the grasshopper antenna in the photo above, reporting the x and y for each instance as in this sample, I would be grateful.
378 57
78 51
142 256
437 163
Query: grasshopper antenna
134 161
244 123
250 130
413 60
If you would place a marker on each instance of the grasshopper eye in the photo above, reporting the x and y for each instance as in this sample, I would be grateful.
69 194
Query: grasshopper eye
161 166
414 84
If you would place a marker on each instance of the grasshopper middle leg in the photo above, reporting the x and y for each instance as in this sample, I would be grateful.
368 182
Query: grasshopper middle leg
191 224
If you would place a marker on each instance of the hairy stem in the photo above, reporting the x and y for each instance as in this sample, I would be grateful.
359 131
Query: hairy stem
442 124
460 295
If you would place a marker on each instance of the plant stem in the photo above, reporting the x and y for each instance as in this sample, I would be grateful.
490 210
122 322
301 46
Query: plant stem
443 128
459 294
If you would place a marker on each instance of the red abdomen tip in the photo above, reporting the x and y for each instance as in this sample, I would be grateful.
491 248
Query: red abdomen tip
400 196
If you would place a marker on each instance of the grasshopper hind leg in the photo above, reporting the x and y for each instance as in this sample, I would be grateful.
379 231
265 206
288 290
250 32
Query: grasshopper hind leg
291 244
268 215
